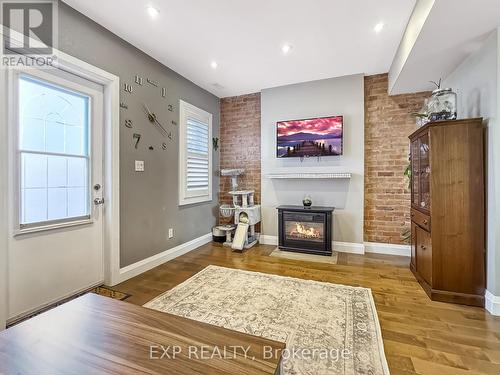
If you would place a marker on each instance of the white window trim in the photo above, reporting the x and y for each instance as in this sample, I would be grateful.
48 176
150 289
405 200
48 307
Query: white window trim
111 84
185 110
15 75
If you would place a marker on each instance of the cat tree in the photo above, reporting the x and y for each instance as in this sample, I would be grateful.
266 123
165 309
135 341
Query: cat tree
246 214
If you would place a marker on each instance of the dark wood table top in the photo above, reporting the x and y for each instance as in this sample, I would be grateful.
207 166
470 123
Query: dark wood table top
98 335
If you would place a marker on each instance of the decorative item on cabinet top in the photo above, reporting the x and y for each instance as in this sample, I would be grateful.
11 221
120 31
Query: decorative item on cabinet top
442 105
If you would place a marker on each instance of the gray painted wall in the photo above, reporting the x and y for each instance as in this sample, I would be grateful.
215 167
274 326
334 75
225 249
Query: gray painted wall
477 84
334 96
148 200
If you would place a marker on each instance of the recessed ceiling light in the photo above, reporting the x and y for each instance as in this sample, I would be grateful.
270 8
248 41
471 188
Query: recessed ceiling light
152 11
378 27
286 48
214 64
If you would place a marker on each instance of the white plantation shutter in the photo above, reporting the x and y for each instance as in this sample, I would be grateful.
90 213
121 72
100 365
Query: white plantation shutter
195 155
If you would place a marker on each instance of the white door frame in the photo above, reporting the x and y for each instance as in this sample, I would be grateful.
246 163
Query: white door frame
4 208
111 156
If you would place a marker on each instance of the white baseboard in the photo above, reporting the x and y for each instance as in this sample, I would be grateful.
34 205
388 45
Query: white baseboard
492 303
387 248
348 247
354 248
146 264
342 247
53 301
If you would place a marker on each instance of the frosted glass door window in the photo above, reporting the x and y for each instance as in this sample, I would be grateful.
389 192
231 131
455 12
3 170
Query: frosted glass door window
54 153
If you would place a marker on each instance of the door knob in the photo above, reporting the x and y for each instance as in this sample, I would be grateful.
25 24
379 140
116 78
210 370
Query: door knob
98 201
97 187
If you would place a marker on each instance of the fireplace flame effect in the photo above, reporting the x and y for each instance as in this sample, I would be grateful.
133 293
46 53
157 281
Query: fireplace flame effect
305 232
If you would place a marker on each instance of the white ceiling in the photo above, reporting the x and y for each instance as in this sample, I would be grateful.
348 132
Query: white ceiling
452 30
330 38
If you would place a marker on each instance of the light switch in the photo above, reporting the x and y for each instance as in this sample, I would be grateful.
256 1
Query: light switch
139 165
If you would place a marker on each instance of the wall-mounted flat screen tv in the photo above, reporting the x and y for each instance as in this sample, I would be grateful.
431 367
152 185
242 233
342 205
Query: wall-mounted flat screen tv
322 136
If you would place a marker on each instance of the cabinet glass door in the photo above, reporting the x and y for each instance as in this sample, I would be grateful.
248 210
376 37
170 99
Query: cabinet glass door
425 173
415 173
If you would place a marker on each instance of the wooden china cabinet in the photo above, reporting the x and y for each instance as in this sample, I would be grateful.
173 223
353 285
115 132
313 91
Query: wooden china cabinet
447 210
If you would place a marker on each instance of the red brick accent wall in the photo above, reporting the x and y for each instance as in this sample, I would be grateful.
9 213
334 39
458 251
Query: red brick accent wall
240 143
387 125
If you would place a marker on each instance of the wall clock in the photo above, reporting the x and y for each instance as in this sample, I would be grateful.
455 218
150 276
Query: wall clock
152 117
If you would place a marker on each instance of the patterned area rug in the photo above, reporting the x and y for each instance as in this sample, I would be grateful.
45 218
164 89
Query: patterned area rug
328 328
277 253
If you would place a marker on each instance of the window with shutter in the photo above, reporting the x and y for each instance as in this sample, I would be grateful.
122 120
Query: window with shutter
195 170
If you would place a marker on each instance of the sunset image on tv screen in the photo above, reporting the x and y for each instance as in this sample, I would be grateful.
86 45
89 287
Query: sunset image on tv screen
312 137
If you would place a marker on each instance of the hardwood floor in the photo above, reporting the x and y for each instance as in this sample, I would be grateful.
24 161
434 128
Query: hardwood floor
420 336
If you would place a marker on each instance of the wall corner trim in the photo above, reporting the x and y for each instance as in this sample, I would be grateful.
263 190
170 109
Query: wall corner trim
492 303
268 240
153 261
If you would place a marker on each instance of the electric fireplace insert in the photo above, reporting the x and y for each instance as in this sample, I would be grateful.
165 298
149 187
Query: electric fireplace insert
305 230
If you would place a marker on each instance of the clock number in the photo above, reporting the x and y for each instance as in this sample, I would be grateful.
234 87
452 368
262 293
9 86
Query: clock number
164 92
139 80
128 123
152 83
138 137
128 88
170 107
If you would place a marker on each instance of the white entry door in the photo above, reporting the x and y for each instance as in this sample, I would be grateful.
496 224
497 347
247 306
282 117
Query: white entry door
56 188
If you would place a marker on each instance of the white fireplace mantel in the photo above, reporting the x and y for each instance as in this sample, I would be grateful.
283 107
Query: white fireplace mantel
309 175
